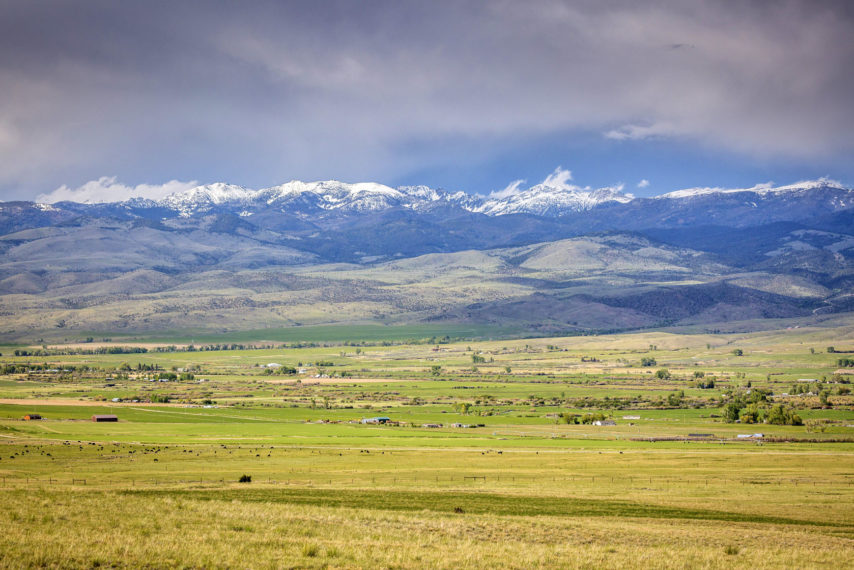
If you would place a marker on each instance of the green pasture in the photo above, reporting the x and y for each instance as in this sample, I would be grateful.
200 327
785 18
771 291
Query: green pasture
670 485
320 333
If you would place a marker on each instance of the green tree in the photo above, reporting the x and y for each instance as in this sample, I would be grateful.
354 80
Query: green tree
778 415
731 412
750 415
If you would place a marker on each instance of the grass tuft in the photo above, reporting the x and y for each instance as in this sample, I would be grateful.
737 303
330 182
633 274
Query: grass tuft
310 550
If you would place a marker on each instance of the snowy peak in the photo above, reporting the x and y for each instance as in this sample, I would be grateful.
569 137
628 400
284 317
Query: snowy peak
203 198
325 195
555 197
315 198
762 189
545 200
332 195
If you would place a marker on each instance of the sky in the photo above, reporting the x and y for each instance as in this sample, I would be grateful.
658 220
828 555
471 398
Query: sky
105 98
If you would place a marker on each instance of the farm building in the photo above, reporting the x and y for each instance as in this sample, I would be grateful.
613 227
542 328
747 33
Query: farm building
105 418
32 417
377 420
604 423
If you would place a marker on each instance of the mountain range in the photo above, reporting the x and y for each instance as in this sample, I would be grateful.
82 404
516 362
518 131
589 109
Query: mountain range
224 257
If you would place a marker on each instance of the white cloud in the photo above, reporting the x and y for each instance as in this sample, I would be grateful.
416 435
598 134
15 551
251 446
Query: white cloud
108 189
643 183
558 178
640 132
509 190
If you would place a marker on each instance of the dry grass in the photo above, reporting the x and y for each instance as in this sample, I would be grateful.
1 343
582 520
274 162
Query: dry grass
90 529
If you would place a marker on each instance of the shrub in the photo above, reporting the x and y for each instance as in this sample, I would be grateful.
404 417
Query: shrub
309 550
245 479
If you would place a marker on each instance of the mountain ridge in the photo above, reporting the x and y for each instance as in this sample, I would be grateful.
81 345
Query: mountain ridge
554 199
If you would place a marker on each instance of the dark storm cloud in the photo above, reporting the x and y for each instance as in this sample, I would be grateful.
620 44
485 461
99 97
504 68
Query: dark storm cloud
258 93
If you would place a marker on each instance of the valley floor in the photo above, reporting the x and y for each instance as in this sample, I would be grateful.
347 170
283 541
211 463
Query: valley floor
664 483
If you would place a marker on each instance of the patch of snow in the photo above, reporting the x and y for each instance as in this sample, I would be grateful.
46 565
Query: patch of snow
546 200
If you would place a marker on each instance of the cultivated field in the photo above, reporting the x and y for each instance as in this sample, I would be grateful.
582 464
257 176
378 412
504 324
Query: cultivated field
491 455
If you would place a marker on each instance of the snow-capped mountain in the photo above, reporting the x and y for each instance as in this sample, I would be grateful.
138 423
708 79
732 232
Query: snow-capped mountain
203 198
584 208
551 201
329 196
761 189
553 198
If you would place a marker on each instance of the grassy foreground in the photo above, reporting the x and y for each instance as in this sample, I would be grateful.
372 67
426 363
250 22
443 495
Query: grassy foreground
269 530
